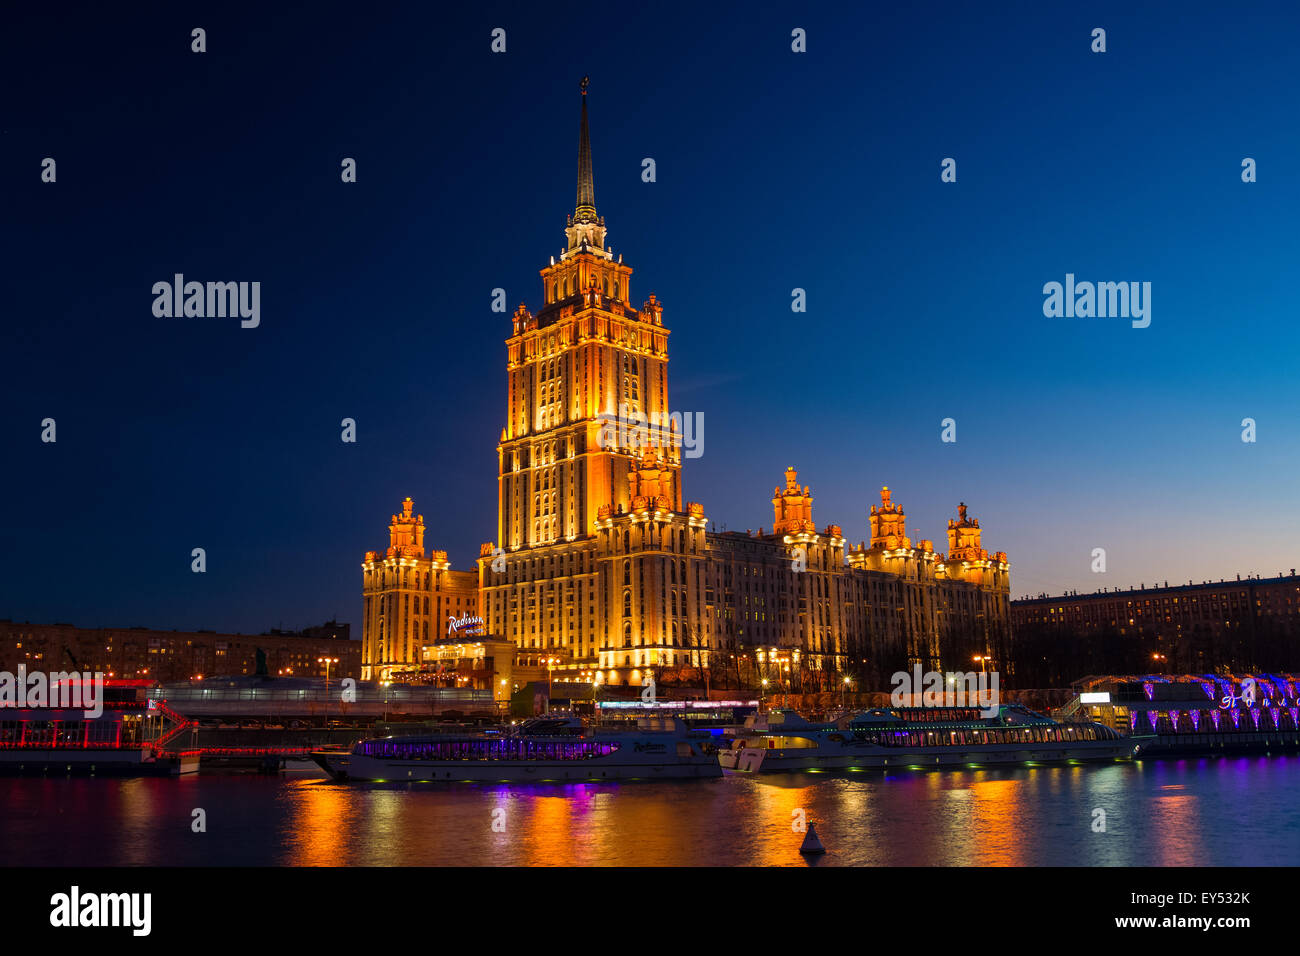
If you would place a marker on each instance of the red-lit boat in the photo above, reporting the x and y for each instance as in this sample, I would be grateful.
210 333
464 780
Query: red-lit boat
134 734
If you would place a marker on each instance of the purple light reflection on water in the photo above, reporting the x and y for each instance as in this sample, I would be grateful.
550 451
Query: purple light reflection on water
1162 812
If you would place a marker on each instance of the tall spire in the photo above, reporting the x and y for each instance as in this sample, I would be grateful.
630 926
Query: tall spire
585 211
585 229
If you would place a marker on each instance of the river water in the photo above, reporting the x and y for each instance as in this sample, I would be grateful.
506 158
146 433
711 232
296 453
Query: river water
1229 811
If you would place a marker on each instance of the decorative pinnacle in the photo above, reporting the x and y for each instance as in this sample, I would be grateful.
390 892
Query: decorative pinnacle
585 211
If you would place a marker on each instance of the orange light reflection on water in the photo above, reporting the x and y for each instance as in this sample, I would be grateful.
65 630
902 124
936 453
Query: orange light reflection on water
318 814
997 814
1172 817
777 842
544 833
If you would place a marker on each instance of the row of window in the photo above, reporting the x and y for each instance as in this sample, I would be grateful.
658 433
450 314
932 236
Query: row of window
1038 734
506 748
610 284
67 733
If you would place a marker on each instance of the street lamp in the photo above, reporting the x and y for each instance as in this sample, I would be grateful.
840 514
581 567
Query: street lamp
550 667
981 661
327 661
385 684
844 689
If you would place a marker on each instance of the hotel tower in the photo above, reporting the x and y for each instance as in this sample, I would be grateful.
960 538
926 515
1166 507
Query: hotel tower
600 567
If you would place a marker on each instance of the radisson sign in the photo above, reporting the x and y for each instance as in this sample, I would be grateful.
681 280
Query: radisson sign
467 625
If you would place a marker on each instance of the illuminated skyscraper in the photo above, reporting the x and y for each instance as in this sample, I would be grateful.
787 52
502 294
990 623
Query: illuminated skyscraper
599 565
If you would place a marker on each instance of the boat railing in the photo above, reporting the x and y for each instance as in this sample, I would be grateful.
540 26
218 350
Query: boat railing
1070 713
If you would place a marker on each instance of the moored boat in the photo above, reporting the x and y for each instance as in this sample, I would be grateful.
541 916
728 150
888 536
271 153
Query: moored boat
1187 714
919 737
133 733
541 750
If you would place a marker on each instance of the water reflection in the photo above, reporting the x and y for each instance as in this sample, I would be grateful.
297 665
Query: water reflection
315 817
1170 813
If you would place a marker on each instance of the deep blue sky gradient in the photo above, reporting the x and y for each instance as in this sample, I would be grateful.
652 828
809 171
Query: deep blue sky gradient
775 170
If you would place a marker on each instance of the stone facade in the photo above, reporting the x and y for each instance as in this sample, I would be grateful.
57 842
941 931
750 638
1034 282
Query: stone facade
410 599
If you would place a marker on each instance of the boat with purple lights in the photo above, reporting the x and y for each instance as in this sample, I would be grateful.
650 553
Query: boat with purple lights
544 749
1195 713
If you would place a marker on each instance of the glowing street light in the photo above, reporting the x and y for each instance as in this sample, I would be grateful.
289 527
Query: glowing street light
550 667
327 661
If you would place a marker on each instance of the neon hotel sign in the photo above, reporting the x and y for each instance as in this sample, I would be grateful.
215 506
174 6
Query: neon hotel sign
469 624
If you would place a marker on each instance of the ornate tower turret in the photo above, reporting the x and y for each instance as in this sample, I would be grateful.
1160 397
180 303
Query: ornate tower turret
792 508
888 524
406 534
967 558
964 537
408 597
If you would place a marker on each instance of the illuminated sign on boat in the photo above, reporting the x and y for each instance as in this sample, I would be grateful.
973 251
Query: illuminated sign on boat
1098 698
1247 697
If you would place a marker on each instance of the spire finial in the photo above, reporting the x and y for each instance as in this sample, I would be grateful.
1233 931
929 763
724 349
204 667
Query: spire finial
586 207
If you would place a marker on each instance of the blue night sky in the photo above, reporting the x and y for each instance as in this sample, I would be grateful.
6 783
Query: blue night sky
775 170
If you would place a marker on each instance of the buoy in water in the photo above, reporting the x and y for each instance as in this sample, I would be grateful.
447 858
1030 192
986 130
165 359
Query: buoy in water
812 845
